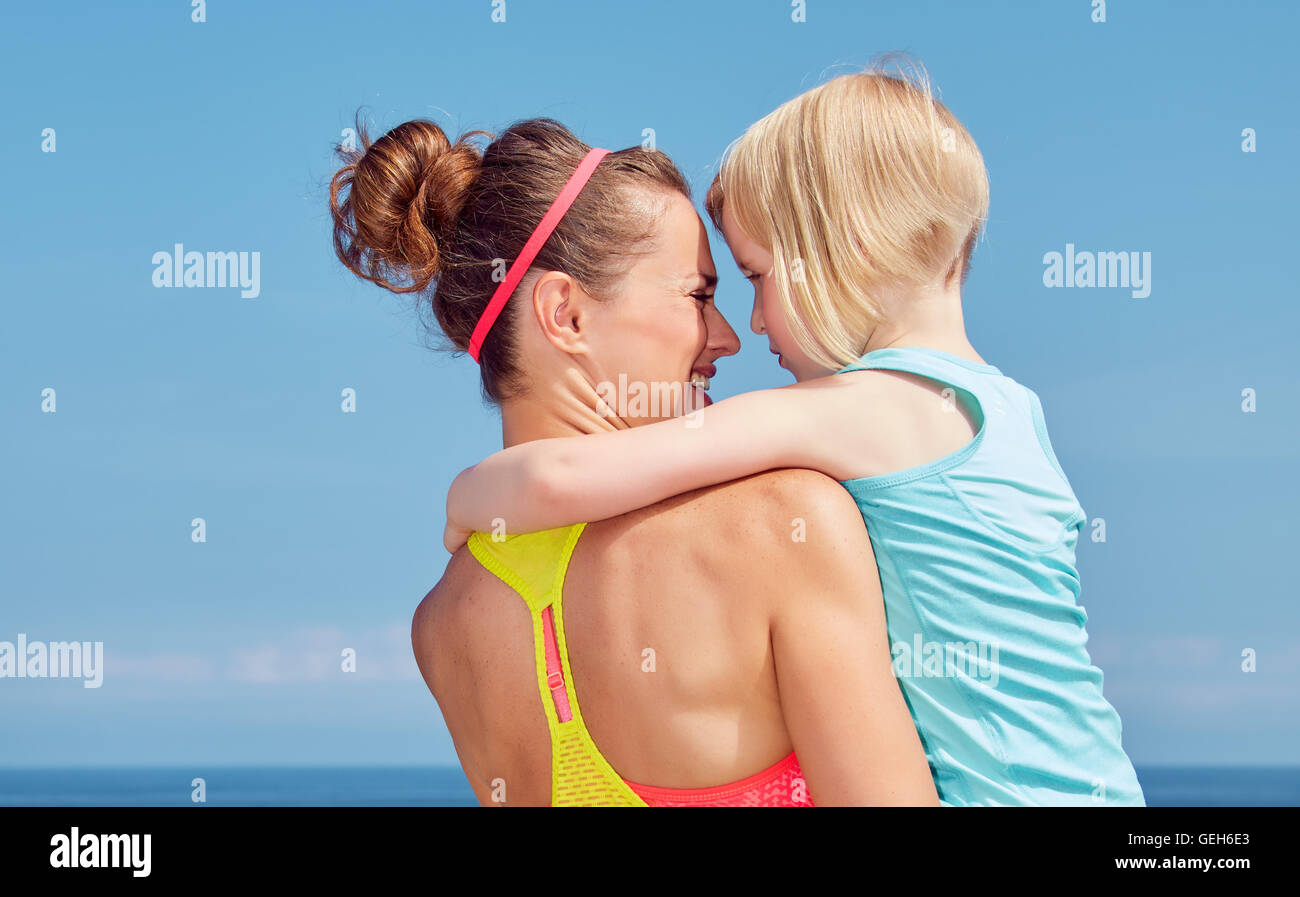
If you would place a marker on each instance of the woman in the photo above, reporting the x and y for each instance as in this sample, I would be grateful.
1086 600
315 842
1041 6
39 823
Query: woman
733 635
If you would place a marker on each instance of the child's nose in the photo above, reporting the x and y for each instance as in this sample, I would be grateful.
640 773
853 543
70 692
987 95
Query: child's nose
756 318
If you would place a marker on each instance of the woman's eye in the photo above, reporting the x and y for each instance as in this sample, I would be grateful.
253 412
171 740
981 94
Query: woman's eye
752 278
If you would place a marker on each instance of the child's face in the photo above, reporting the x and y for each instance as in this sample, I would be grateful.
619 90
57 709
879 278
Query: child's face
767 319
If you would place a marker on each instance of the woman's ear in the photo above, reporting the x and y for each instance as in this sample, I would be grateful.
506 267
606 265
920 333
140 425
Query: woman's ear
562 309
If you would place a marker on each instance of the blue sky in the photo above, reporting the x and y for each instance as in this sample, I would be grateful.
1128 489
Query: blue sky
323 528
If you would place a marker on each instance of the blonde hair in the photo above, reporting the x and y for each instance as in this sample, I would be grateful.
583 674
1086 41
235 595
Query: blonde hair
864 184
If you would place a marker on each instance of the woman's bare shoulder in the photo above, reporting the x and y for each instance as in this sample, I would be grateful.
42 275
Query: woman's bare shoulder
452 613
745 522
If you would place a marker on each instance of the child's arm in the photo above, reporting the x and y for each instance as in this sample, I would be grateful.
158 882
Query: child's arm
556 482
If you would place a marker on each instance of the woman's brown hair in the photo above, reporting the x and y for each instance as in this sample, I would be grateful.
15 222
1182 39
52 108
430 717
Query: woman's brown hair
445 220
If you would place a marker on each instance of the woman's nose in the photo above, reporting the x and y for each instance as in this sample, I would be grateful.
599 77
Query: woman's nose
722 339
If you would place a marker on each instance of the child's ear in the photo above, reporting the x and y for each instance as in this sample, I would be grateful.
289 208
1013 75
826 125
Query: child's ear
562 309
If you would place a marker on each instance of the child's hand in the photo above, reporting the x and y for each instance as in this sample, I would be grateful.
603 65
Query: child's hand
453 536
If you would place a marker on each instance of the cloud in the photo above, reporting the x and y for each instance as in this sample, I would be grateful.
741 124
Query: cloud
173 667
1184 654
309 654
1193 676
316 655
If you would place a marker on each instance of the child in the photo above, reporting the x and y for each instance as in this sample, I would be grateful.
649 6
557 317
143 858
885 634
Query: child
854 210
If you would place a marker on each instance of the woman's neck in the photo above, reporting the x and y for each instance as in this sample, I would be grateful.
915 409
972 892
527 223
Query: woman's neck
553 408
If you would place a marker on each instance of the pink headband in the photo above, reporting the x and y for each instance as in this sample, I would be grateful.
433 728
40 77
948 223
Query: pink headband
521 264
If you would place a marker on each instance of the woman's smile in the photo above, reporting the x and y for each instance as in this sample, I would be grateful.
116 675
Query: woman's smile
701 379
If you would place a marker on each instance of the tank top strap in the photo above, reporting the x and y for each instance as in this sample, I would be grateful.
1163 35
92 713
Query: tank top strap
926 362
983 385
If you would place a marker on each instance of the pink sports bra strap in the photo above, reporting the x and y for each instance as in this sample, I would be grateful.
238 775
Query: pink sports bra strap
554 673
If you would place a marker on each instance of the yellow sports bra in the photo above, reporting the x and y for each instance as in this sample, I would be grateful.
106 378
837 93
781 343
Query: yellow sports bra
534 565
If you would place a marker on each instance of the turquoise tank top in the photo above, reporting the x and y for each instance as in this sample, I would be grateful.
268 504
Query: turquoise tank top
977 565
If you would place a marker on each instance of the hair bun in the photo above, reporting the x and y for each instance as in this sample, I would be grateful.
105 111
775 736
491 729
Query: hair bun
404 193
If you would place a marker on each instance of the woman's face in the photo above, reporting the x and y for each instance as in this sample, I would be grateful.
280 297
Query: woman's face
658 338
767 319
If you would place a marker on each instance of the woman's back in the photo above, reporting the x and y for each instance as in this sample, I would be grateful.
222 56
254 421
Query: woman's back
671 616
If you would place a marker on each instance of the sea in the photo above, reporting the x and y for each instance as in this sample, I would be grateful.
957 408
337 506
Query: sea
446 786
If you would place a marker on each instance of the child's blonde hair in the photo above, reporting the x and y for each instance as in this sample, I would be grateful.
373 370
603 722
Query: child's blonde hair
862 184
